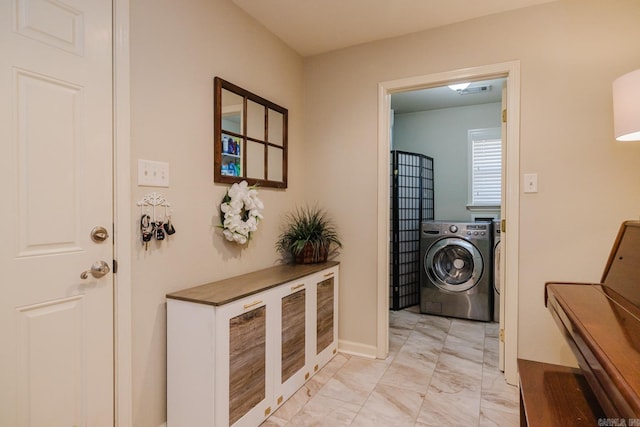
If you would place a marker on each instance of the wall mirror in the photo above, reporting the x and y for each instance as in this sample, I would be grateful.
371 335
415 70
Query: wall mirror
250 137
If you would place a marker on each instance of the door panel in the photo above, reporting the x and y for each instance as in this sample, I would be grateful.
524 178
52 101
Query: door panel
52 22
48 110
56 329
44 360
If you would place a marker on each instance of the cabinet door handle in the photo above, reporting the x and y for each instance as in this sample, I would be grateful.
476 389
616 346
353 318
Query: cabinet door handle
252 304
329 274
293 288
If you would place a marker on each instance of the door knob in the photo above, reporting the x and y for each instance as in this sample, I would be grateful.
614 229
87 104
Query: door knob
99 234
98 269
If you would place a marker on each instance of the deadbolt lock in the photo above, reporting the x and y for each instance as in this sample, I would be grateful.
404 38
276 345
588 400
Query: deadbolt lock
99 234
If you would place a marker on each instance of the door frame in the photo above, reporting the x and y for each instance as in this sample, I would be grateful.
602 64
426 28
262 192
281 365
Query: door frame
510 70
123 414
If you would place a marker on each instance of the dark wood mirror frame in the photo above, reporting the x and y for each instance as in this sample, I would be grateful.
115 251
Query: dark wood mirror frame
244 148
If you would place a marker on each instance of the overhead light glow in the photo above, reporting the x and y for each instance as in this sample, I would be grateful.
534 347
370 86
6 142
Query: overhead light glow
459 86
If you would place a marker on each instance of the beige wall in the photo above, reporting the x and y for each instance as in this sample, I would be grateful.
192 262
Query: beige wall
176 50
570 52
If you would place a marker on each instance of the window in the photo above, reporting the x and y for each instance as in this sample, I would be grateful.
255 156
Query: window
486 167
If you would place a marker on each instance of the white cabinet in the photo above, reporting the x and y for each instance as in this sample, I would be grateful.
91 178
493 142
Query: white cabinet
236 353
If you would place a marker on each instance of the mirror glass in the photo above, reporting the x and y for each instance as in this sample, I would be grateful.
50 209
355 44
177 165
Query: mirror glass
275 127
231 111
255 121
250 137
255 160
275 164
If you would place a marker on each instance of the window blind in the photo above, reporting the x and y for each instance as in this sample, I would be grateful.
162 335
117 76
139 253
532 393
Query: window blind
486 171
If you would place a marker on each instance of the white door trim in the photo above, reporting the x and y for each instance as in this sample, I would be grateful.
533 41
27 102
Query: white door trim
511 70
122 215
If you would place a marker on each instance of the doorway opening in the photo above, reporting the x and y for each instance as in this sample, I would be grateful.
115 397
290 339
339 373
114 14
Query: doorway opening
508 72
459 180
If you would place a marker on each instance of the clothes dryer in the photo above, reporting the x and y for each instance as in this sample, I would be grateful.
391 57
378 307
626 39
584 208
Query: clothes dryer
496 270
456 273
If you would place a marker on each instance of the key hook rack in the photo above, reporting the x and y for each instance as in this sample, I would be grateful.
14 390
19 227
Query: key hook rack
152 201
154 223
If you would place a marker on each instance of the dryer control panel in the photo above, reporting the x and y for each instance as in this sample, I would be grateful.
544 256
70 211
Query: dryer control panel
469 230
477 230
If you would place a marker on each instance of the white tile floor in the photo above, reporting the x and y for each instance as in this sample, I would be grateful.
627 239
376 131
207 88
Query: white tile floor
440 372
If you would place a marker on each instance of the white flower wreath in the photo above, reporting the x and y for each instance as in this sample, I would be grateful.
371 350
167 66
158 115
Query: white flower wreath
240 211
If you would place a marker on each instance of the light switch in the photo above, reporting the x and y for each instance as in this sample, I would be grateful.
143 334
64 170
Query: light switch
530 182
152 173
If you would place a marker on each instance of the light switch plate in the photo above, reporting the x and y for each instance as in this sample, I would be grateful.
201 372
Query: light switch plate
152 173
530 182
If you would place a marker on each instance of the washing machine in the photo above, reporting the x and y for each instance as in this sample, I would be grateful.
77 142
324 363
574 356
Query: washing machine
456 271
496 270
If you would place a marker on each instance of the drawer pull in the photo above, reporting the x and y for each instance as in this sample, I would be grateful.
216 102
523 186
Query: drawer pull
252 304
293 288
267 411
280 399
329 274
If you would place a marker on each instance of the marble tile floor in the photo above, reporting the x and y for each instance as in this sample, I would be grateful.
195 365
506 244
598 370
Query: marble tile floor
440 372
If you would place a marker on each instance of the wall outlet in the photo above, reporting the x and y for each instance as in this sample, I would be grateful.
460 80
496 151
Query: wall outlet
530 182
152 173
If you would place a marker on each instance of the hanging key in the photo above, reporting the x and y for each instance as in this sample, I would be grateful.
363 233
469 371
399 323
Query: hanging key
146 237
146 230
168 227
159 231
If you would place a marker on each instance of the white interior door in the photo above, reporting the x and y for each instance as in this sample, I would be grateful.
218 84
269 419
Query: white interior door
56 329
501 266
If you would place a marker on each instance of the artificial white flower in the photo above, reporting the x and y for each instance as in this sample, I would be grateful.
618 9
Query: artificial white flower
241 209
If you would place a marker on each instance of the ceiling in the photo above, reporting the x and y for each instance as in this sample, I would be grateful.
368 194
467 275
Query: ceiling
479 92
312 27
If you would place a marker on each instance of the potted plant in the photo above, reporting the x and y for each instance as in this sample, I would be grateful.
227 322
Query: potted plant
308 236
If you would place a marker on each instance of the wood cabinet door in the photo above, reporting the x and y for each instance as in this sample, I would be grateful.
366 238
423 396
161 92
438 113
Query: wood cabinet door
324 313
326 317
293 334
247 362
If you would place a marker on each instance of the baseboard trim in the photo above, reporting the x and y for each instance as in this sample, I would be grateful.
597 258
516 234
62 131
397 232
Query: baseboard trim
357 349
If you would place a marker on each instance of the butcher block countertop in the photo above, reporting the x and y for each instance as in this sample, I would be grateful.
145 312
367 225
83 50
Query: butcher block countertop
231 289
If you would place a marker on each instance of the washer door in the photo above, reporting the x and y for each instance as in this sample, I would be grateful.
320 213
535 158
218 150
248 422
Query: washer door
453 264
